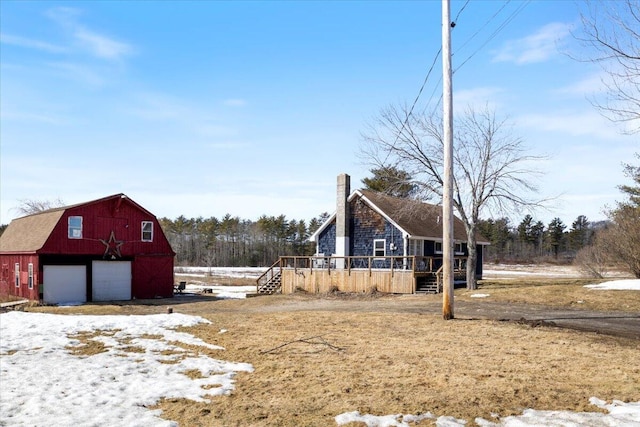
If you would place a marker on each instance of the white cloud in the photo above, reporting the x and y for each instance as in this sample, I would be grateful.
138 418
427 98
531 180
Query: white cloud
64 16
78 72
235 102
88 41
197 120
102 46
586 86
45 117
9 39
537 47
477 98
572 123
228 145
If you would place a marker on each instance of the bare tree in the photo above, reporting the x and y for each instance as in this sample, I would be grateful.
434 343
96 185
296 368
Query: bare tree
611 33
32 206
491 168
593 260
622 239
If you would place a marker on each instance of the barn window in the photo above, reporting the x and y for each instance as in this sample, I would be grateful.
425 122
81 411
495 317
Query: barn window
437 247
75 227
379 246
30 280
147 231
17 274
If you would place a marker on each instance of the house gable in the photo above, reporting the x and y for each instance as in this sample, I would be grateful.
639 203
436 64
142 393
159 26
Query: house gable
326 238
368 225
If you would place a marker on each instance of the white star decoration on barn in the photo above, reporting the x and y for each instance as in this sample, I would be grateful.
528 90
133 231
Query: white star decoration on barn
112 246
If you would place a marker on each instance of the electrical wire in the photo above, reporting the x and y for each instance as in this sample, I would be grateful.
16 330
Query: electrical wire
502 26
499 29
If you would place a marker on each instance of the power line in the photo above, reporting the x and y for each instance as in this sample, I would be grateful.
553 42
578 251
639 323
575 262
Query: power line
415 101
499 29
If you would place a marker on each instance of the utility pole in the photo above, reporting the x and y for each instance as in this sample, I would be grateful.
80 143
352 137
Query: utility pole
447 191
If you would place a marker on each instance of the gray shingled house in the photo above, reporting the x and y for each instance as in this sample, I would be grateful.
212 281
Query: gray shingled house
374 240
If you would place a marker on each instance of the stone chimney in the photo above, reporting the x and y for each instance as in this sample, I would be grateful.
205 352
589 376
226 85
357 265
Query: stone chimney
342 218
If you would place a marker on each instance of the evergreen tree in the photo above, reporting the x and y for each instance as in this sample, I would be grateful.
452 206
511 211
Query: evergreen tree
555 235
390 180
580 233
632 191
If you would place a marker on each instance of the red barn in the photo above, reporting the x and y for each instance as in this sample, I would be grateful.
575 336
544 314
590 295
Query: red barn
103 250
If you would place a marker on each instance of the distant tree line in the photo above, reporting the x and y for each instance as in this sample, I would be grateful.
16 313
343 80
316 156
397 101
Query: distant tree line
234 242
532 240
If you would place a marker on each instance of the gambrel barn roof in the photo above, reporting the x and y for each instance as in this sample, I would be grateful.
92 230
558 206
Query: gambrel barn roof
30 233
415 219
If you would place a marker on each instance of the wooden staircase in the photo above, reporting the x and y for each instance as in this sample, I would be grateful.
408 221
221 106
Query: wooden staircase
428 284
270 282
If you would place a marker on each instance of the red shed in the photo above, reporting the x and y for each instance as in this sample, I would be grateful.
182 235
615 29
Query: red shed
103 250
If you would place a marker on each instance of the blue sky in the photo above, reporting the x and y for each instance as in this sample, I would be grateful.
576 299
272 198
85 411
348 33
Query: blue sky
250 108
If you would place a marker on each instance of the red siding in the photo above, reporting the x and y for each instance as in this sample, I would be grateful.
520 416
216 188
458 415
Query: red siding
152 277
8 278
116 215
152 262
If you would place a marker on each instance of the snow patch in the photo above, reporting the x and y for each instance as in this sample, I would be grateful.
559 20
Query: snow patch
45 383
620 414
617 285
480 295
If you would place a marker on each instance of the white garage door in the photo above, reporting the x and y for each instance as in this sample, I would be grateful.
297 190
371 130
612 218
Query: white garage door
111 280
64 283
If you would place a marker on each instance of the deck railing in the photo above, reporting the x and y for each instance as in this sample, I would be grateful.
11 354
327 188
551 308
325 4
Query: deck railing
419 264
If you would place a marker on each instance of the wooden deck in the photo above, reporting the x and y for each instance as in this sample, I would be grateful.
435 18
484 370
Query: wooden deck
398 275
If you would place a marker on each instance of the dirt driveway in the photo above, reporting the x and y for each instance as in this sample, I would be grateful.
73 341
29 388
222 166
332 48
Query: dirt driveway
609 323
621 324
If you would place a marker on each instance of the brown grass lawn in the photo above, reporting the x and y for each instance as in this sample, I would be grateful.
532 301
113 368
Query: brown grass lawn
557 292
370 355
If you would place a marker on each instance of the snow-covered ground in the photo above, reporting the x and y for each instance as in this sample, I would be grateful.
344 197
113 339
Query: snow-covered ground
620 414
242 272
44 384
220 291
618 285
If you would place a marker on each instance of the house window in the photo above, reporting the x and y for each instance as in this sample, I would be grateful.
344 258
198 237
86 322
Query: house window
379 247
147 231
437 247
75 227
17 274
30 281
459 249
416 247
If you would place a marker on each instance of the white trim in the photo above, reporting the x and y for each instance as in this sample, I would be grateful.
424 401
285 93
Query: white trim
316 234
384 247
143 231
74 235
30 275
342 246
16 274
405 234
